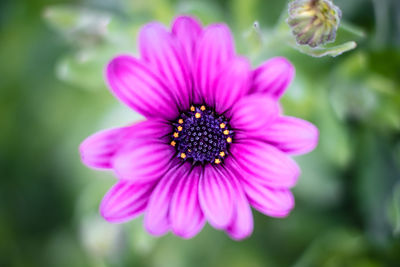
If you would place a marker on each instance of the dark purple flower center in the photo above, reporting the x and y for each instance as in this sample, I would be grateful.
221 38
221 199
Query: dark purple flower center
201 135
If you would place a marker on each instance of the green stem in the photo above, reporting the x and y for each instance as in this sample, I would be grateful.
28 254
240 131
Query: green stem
352 29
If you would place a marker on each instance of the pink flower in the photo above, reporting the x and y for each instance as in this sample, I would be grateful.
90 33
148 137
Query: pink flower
213 142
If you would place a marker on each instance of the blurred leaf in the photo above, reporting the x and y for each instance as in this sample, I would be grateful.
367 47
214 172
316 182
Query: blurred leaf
206 11
78 24
335 141
63 250
244 11
161 10
318 185
394 210
338 247
252 41
374 161
100 238
359 94
139 240
84 68
353 100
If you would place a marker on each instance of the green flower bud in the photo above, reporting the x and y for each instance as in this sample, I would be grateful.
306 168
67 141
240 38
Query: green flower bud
314 22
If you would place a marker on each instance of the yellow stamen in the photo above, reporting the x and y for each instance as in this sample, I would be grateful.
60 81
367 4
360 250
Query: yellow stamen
222 125
176 135
229 140
183 155
226 132
222 154
180 128
197 115
180 121
173 143
217 161
189 150
192 108
203 108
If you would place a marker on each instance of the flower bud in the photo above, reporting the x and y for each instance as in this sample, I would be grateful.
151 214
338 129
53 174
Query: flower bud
314 22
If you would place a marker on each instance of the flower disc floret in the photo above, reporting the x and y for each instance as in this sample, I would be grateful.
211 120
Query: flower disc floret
201 136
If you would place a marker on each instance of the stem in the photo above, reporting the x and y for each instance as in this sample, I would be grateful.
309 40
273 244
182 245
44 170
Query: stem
381 8
352 29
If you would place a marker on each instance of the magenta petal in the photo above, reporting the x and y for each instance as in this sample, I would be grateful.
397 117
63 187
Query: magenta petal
213 50
292 135
273 77
186 216
265 164
187 30
232 83
136 85
253 114
156 218
124 201
216 197
97 150
270 201
241 225
148 129
159 48
143 160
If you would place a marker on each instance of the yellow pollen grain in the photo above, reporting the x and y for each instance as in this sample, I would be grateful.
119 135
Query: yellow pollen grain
173 143
189 150
229 140
203 108
192 108
222 125
183 155
180 128
222 154
217 161
226 132
180 121
197 115
176 135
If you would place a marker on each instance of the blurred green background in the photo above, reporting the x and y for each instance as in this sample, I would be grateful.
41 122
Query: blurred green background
52 96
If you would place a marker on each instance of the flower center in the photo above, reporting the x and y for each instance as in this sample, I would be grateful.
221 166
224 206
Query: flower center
201 135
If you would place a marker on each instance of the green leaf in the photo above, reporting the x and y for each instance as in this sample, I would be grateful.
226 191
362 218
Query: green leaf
78 24
394 210
327 51
83 69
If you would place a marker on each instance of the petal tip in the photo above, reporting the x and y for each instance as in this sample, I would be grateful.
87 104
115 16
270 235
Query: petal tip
113 68
97 150
151 26
273 76
183 234
150 31
240 237
296 172
220 31
185 19
240 234
153 229
314 137
106 213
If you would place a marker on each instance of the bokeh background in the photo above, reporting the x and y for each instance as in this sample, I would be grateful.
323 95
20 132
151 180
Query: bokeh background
52 96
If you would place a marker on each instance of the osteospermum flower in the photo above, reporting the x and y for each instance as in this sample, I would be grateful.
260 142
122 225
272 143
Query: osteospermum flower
314 22
213 142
